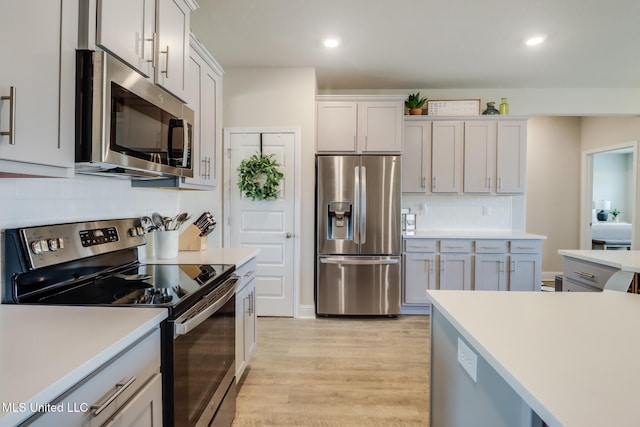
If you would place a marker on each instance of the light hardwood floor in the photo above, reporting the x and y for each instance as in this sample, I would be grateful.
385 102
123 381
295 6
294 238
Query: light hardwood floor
337 372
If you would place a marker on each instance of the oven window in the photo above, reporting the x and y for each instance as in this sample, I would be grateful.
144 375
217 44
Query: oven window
140 129
202 358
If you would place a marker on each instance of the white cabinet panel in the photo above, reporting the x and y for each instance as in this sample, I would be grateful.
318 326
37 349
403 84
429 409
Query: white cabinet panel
172 27
455 271
420 275
511 157
130 35
37 85
446 161
490 272
479 156
359 127
416 158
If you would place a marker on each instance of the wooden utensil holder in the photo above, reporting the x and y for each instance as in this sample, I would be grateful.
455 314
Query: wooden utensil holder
190 240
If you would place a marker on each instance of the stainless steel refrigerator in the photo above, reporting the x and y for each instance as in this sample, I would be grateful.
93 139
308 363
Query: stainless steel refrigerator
358 235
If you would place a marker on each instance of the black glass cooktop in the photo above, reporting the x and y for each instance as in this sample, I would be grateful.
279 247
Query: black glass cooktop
143 284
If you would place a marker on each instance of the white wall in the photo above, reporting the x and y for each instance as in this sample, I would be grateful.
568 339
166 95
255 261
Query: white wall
281 97
611 181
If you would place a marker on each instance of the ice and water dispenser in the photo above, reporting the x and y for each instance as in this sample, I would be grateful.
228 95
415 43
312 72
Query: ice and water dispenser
339 221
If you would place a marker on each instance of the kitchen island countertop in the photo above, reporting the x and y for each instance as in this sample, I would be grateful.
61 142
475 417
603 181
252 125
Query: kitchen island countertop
570 356
624 260
45 350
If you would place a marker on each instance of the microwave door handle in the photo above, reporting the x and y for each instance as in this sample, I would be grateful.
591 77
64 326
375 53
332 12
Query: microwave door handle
173 124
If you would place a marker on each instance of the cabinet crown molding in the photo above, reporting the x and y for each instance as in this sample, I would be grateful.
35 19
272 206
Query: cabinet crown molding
361 98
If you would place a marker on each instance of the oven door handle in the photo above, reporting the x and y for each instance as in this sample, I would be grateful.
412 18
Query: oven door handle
189 320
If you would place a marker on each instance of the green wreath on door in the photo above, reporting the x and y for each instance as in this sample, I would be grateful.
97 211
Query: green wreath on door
259 177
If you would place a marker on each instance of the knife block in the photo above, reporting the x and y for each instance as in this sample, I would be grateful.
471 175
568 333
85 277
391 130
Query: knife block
190 240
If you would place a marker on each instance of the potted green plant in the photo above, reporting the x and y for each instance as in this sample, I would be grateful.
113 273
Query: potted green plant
414 103
615 212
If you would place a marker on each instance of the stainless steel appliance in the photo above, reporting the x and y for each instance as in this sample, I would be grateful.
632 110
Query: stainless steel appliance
126 125
358 246
96 263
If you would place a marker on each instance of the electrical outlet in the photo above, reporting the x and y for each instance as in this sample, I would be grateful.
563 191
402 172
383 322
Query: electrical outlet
468 359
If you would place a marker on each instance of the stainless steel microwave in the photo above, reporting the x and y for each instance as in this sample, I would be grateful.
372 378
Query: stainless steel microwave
126 125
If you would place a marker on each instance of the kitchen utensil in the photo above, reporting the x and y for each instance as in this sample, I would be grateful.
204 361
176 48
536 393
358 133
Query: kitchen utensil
147 224
179 220
206 223
157 220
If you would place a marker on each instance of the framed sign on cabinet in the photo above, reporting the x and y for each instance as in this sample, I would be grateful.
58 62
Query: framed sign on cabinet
453 107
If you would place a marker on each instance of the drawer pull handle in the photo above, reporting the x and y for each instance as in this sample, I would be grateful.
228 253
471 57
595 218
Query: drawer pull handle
249 273
120 388
585 275
525 247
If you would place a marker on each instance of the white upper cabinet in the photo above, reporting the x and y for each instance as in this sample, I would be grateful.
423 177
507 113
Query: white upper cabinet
204 97
130 35
150 35
357 126
446 162
471 155
416 159
172 26
479 156
511 168
37 86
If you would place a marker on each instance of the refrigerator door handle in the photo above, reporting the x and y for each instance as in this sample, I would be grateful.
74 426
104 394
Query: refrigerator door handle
363 204
351 261
356 205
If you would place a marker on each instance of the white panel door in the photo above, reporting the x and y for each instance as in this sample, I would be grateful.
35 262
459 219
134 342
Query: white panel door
267 225
446 157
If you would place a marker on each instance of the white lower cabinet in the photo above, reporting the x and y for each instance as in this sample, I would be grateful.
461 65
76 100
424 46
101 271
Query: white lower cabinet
462 264
246 320
125 391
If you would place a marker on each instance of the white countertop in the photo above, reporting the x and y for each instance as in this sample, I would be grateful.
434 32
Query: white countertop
237 256
478 234
571 356
45 350
624 260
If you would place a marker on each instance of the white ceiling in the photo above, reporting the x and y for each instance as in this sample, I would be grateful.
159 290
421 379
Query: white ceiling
408 44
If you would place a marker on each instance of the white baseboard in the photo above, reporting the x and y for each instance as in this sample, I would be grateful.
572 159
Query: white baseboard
307 311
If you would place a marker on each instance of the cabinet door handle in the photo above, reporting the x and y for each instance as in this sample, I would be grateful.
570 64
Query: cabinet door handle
208 167
489 186
499 183
204 168
11 133
424 182
442 265
120 388
153 50
585 275
433 182
501 266
166 65
513 266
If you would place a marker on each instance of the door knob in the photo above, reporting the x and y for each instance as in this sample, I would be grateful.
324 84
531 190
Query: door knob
288 235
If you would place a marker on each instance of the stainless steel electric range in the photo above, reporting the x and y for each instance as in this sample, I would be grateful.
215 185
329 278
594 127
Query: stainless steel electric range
96 263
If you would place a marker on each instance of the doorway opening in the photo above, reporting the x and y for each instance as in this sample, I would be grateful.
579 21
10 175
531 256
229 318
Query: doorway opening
609 197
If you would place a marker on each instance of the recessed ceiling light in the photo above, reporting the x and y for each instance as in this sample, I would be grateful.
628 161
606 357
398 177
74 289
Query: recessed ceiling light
535 40
331 42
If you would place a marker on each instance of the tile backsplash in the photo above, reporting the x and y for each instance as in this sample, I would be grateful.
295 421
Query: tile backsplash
465 213
36 201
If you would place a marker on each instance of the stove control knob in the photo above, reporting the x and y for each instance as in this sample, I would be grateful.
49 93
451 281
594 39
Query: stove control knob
140 231
55 244
39 246
133 232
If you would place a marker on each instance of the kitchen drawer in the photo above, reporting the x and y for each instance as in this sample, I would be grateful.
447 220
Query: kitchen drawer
571 286
123 376
587 273
491 246
420 245
455 246
247 272
526 246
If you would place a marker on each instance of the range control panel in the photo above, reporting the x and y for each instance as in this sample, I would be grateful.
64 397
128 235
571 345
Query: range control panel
98 236
54 244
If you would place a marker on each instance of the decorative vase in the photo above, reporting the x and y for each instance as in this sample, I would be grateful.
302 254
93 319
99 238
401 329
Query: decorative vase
504 107
491 109
415 111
